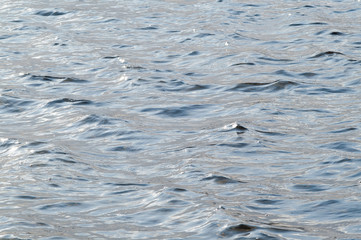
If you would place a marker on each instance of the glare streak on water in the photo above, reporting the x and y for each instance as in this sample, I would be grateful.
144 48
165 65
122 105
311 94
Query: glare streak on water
172 119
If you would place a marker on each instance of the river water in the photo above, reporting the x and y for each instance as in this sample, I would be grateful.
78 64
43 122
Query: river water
180 119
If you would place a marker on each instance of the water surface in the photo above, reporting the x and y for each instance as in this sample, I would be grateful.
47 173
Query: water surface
180 119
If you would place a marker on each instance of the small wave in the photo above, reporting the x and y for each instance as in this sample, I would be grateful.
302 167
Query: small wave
13 104
235 126
264 87
342 146
309 187
221 179
47 13
237 229
69 100
61 205
48 78
243 64
327 53
324 90
174 112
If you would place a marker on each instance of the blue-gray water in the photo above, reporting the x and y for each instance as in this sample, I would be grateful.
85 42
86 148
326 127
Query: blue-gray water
180 119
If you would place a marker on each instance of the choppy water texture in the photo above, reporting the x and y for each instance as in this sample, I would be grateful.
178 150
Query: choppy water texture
180 119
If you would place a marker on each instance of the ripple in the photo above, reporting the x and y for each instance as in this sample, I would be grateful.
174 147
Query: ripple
60 205
237 229
327 54
264 87
69 100
175 112
9 104
309 187
47 13
342 146
47 78
221 179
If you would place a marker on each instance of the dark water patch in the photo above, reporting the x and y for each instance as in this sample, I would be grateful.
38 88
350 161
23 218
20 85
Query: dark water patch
124 149
327 203
69 100
47 13
41 152
194 53
172 56
234 145
74 80
6 144
309 187
343 160
27 197
196 87
90 119
47 78
324 90
185 40
344 130
160 61
54 185
9 104
123 192
243 64
60 44
337 33
307 24
179 190
268 201
128 184
175 112
251 5
341 146
346 11
275 59
102 133
176 85
60 205
264 87
193 74
43 78
122 46
203 35
221 179
237 229
93 118
308 74
271 133
63 160
34 144
36 165
236 12
327 54
261 208
356 175
2 37
110 20
148 28
110 57
283 73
